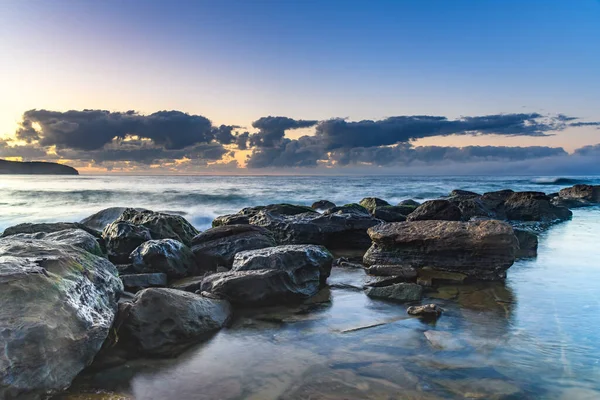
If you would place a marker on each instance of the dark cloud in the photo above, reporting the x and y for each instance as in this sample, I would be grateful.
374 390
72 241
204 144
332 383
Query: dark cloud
93 129
242 140
28 152
303 152
591 150
580 124
271 130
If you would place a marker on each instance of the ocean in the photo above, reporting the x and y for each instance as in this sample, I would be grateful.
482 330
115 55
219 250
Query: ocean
534 336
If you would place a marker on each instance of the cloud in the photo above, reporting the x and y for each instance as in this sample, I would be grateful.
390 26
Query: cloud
591 150
271 130
580 124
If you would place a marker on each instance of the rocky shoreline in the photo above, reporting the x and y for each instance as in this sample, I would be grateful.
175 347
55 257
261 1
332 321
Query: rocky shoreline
126 283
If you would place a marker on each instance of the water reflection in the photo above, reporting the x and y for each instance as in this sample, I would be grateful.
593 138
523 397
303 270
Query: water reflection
534 336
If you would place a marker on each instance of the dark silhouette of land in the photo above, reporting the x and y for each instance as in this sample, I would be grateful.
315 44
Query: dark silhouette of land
35 168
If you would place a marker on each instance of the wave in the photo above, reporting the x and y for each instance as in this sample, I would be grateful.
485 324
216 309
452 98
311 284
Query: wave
558 181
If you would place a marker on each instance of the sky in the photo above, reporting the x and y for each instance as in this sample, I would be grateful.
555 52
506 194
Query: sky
295 86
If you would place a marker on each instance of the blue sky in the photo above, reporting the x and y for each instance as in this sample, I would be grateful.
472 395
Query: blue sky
236 61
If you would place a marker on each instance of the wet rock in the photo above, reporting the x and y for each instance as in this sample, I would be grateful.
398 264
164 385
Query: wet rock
584 194
99 220
307 265
391 213
58 304
443 340
190 284
409 202
528 243
406 271
431 276
218 246
473 208
379 281
162 320
426 311
495 201
398 292
121 238
436 210
161 225
322 205
485 388
534 206
75 237
142 281
166 255
371 203
479 249
344 262
244 215
339 228
47 228
463 193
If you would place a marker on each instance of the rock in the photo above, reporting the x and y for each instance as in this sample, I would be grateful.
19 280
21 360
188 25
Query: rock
58 304
409 202
162 321
99 220
398 291
436 210
344 262
391 213
244 215
307 265
142 281
161 225
166 255
371 203
189 284
256 288
339 228
473 208
528 243
463 193
478 249
47 228
494 201
75 237
322 205
585 194
405 271
121 238
427 311
379 281
534 206
427 276
218 246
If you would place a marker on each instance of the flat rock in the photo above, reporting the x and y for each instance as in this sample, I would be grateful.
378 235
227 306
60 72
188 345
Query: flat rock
478 249
405 271
397 292
379 281
47 228
75 237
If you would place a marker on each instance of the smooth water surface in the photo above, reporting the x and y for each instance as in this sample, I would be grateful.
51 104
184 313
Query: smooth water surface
535 336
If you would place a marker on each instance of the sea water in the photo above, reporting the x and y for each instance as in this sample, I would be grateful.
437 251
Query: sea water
535 336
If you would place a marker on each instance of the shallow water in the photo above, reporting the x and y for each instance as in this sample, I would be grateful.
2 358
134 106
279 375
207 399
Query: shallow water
535 336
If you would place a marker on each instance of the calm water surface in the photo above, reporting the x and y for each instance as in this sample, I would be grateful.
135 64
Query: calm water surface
536 336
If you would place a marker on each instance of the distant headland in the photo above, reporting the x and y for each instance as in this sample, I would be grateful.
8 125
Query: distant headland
35 168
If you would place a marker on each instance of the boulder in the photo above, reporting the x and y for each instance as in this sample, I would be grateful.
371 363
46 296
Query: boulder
472 208
584 194
494 201
339 228
426 311
463 193
397 292
528 243
189 284
379 281
391 213
161 225
162 321
442 210
244 215
405 271
322 205
478 249
371 203
137 282
47 228
99 220
76 237
410 203
218 246
167 256
58 305
534 206
307 265
121 238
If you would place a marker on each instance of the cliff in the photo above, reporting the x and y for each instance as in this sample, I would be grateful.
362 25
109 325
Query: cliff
35 168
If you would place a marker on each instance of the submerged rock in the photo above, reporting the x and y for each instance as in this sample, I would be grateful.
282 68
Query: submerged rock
161 225
443 210
218 246
58 304
161 321
169 256
427 310
75 237
322 205
478 249
121 238
398 292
